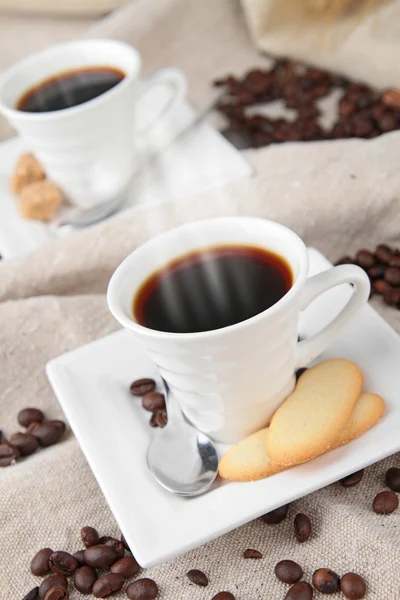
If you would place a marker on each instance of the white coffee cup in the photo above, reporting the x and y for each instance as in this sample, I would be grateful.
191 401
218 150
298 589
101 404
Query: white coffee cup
230 381
90 150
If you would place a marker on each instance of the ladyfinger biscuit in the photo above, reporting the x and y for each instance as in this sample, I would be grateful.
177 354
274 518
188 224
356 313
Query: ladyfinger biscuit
248 461
312 417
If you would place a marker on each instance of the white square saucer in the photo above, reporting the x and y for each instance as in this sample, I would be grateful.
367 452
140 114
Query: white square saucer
92 385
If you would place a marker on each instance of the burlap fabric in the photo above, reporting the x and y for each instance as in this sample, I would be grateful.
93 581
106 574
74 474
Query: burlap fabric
338 195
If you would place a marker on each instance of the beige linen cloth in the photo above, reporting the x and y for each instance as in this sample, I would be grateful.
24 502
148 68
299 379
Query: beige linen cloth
339 196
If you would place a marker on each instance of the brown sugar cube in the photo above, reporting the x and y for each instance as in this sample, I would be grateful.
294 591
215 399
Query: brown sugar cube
28 170
40 201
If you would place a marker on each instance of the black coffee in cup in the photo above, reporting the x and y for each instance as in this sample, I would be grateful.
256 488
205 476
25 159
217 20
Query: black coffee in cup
212 288
69 89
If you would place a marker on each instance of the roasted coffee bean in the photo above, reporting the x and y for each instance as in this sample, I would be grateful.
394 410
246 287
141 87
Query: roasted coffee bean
32 595
383 253
326 581
57 593
62 563
377 272
387 122
32 427
79 556
250 553
380 286
125 543
117 546
198 577
140 387
385 503
395 261
142 589
161 418
365 259
223 596
302 527
392 479
8 454
353 479
288 571
300 591
353 586
25 442
84 579
391 98
28 415
127 567
153 401
107 585
104 539
152 421
392 276
392 297
52 581
100 557
346 260
89 536
276 516
40 562
50 432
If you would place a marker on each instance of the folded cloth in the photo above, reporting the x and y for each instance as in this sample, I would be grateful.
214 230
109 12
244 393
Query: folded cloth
339 196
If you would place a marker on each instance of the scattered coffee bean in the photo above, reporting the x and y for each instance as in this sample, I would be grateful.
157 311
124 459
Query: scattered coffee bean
302 527
300 591
153 401
383 253
62 563
249 553
143 589
117 546
8 454
395 261
80 558
198 577
385 503
84 579
140 387
392 297
50 432
288 571
392 276
100 557
32 595
152 421
107 585
377 272
392 479
127 567
40 562
223 596
57 593
28 415
380 286
345 260
104 539
392 98
125 543
32 427
353 586
25 442
89 536
326 581
276 516
365 259
52 581
353 479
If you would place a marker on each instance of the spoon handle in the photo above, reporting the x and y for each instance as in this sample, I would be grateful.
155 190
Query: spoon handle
174 410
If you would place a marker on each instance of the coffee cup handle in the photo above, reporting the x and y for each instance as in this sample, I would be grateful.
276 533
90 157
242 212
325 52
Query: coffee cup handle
309 349
174 80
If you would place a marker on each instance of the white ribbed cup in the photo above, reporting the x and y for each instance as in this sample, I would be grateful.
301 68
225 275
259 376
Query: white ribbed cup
90 150
231 380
